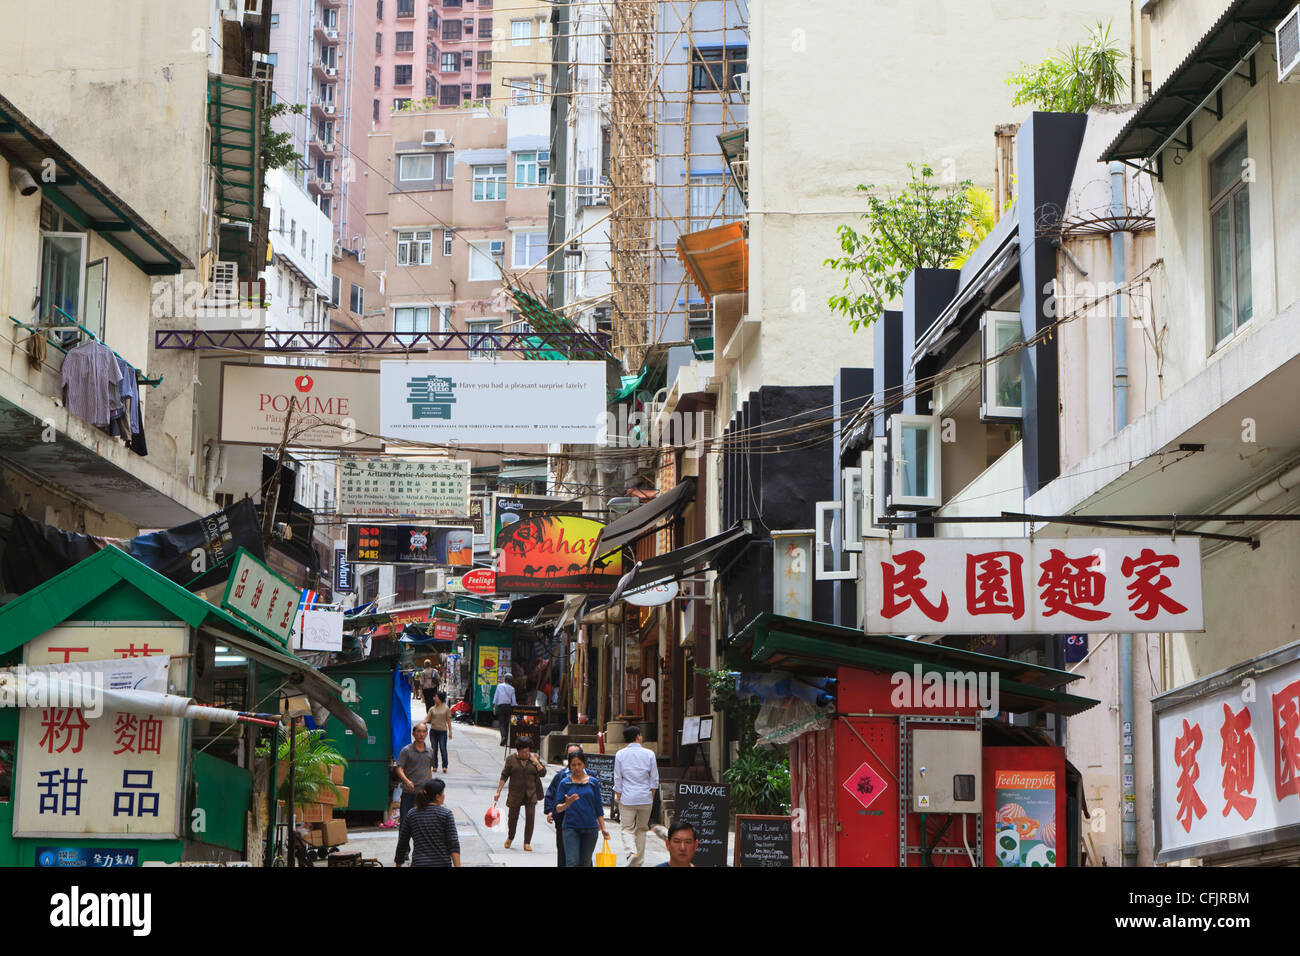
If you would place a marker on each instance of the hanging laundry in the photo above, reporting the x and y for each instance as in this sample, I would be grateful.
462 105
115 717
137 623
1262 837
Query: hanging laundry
128 423
91 380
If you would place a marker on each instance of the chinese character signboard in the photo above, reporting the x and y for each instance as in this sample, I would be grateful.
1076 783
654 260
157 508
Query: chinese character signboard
1228 763
410 544
513 402
260 596
332 408
107 775
548 554
430 489
1039 586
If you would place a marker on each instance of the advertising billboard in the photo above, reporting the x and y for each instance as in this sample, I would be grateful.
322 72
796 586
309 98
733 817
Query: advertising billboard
410 544
332 408
548 554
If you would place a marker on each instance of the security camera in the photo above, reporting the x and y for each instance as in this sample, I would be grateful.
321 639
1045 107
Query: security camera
22 181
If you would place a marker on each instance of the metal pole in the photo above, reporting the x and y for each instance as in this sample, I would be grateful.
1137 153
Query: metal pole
268 858
1120 318
1128 790
293 735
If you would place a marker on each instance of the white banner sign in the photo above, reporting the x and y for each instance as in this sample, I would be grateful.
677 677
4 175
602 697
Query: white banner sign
1228 764
1044 586
114 775
399 488
332 408
510 402
319 631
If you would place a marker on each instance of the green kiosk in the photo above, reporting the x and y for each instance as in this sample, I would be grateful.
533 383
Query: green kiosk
113 788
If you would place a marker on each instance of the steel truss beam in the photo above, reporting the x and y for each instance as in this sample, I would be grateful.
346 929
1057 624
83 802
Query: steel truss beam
574 344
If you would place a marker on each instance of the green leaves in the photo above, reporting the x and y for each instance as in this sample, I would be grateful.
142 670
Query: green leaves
1076 79
277 148
760 781
917 228
313 756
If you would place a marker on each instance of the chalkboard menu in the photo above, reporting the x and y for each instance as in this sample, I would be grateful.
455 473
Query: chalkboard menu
707 807
601 766
764 841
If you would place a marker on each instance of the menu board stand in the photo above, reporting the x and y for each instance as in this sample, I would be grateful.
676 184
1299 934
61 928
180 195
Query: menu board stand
764 841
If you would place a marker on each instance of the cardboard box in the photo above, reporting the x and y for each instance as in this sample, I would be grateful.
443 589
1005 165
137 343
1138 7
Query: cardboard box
333 832
344 795
336 774
312 813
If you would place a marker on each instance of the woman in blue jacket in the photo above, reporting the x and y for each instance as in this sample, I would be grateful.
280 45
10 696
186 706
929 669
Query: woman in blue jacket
579 798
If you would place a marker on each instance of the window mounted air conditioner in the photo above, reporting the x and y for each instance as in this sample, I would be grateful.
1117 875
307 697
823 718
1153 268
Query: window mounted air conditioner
435 137
224 286
338 250
1287 35
498 247
435 580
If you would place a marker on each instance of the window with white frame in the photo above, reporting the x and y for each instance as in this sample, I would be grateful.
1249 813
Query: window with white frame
530 249
531 169
709 207
1230 239
486 259
914 448
520 92
447 237
408 320
336 289
521 32
415 247
415 166
489 183
448 167
450 63
1000 377
482 348
873 491
357 299
63 269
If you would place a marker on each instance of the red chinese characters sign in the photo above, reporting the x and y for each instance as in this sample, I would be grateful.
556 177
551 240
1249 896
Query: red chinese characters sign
1229 763
1047 585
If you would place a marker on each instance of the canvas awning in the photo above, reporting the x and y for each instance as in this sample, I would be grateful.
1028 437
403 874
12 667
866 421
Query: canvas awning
717 259
623 531
680 562
1226 50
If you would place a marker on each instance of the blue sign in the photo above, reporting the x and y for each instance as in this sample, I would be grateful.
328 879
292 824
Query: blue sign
57 856
343 571
431 396
1076 648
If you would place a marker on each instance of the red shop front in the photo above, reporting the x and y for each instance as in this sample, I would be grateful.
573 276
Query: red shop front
906 771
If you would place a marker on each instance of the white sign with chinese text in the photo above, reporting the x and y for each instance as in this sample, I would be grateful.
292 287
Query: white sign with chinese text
261 597
109 776
1228 764
511 402
1043 586
398 488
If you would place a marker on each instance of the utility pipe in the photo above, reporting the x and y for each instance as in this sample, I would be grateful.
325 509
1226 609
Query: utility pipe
1128 788
1261 495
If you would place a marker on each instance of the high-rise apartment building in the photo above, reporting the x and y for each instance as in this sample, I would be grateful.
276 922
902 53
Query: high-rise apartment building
322 54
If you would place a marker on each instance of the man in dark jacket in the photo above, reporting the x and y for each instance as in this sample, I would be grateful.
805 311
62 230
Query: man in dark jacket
557 816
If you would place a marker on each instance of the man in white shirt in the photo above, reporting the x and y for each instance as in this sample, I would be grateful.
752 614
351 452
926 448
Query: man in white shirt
636 778
504 701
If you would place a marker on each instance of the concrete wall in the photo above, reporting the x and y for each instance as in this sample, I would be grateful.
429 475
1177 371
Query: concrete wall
842 98
525 62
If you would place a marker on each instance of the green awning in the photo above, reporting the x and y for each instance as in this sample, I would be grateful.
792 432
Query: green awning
235 116
629 385
787 643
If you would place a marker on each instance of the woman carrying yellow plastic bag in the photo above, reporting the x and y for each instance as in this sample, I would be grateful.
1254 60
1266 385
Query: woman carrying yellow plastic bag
578 797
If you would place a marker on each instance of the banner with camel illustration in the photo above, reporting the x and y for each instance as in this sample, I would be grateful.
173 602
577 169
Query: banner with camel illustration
548 553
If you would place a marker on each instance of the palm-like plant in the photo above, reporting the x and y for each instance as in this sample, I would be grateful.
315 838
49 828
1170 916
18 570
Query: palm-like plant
981 217
313 756
1076 79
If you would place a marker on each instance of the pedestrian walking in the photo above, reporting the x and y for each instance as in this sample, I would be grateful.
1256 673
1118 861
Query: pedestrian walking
439 730
523 772
681 843
636 778
414 769
504 701
428 683
580 800
555 815
432 828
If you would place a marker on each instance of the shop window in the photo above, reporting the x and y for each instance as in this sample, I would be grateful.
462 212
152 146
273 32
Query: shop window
1000 378
914 450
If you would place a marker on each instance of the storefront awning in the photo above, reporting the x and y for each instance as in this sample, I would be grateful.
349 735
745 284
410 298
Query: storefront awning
717 259
795 644
1225 51
638 522
680 562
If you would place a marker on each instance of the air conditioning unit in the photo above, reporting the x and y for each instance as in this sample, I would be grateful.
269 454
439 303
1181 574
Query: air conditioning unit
498 247
435 137
331 71
329 109
338 250
742 83
332 34
435 580
224 284
1287 35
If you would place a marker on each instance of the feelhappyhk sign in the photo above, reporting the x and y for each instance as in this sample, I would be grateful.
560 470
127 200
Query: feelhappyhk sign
1038 586
511 402
332 408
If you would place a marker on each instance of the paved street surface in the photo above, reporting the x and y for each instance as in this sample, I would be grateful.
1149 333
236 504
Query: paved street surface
476 759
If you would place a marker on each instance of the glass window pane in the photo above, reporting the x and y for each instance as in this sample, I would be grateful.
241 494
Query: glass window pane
1241 241
1007 383
61 279
1221 241
916 461
1226 168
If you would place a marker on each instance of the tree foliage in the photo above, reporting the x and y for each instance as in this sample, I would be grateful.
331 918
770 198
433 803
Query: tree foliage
313 756
1075 79
759 779
277 148
918 227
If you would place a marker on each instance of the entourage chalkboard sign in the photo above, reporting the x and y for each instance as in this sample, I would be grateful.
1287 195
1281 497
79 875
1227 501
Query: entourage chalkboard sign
707 807
601 766
764 840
